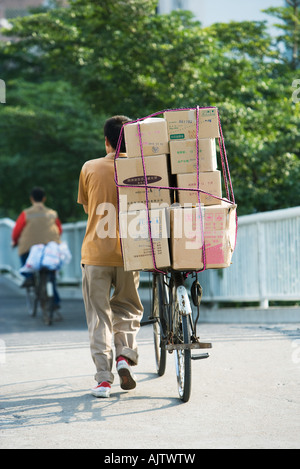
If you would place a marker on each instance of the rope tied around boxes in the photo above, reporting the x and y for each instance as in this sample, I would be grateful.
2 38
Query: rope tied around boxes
225 171
147 200
198 191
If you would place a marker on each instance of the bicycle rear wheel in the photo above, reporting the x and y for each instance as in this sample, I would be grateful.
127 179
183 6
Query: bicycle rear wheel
32 297
46 297
159 326
182 338
183 362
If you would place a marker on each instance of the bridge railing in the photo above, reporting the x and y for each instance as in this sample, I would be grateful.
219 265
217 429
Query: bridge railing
265 265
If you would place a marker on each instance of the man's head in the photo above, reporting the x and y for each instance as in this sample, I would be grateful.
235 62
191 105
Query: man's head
112 129
38 194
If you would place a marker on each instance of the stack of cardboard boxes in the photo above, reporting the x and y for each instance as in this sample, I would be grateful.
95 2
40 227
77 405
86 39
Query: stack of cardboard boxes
216 224
169 167
133 172
182 131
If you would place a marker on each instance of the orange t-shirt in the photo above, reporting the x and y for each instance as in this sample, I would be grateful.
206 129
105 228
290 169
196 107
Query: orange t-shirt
97 191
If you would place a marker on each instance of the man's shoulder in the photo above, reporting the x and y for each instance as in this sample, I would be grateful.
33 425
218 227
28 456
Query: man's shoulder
95 163
50 210
30 209
41 210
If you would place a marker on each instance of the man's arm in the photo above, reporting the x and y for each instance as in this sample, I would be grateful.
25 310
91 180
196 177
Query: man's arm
82 197
59 225
18 228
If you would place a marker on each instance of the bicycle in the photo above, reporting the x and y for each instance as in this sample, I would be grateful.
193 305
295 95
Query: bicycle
41 292
174 328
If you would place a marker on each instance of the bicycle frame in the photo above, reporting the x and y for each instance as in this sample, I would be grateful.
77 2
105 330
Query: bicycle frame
181 298
174 315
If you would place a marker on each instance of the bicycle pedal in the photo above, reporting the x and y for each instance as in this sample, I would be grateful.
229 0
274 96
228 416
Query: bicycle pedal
201 356
150 321
202 345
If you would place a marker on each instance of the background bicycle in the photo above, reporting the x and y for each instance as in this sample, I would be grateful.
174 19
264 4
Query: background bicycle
41 293
42 263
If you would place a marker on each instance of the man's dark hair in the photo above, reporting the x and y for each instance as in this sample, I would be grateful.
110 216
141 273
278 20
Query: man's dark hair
38 193
112 129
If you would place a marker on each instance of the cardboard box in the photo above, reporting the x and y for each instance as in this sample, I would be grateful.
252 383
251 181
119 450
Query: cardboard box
219 231
135 239
183 155
183 124
208 123
130 172
209 182
154 135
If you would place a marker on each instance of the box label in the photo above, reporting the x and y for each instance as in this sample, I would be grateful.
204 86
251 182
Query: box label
140 180
177 136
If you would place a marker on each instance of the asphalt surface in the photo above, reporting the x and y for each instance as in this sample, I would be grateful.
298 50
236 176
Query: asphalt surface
244 396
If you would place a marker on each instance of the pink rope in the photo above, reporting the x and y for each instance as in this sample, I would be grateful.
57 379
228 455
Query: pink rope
147 201
224 161
225 170
198 191
116 180
224 158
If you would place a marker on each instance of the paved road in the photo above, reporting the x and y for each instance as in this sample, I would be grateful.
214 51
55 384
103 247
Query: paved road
245 395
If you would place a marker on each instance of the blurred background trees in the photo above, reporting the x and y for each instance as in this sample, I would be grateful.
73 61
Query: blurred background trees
68 69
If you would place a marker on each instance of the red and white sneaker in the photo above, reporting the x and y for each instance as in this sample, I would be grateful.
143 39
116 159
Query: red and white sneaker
101 390
127 378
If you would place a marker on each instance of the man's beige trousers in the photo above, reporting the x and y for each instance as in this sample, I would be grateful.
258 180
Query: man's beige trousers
113 318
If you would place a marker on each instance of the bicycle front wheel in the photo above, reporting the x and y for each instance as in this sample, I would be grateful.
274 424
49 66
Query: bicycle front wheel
158 315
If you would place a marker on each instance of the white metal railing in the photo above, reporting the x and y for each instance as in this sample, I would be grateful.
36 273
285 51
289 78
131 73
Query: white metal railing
9 259
265 264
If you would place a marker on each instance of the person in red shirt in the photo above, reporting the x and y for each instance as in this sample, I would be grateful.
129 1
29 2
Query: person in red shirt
37 224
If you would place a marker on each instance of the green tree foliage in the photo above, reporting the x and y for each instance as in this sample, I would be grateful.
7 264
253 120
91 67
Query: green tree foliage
289 24
71 68
47 133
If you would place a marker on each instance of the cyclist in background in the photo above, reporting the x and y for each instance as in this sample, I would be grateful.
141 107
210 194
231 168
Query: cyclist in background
37 224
